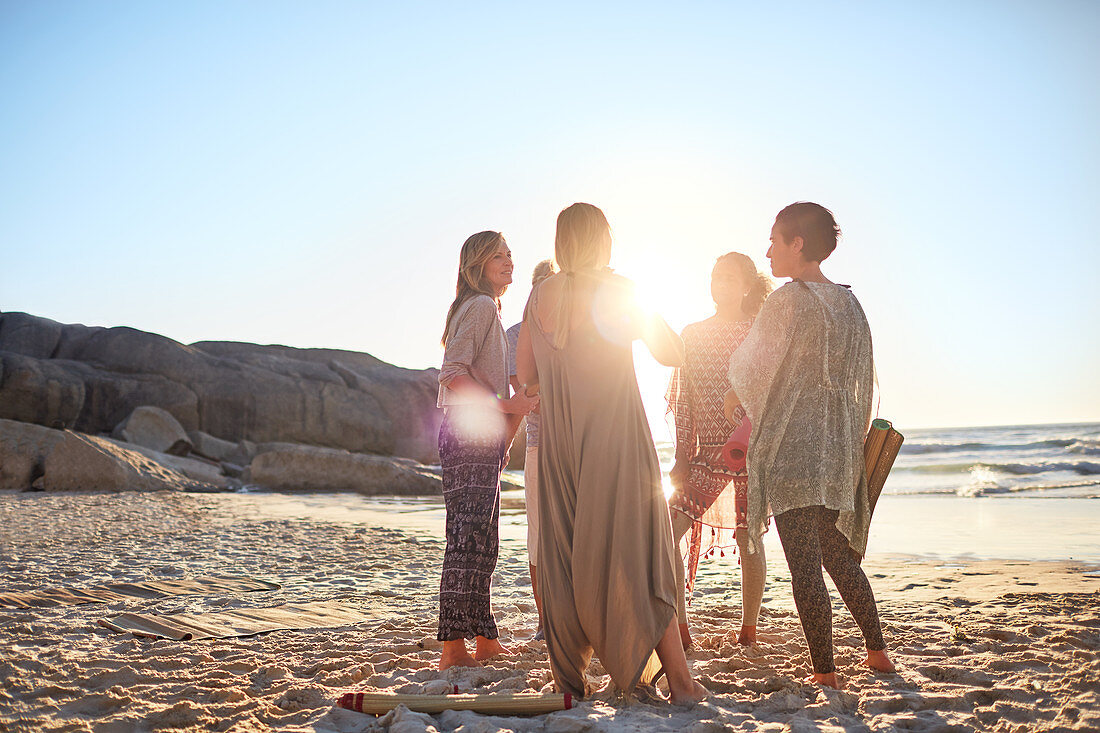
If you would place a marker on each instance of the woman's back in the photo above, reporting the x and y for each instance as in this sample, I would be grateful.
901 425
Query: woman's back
605 571
805 376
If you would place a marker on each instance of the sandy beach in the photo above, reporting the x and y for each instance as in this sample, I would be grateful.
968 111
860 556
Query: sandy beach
979 644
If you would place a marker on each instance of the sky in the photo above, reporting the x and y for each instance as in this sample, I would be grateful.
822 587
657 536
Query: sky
305 173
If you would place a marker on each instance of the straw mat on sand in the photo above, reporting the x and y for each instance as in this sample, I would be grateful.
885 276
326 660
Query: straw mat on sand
497 703
240 622
121 591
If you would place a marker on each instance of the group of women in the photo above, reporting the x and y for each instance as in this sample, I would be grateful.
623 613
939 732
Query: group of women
604 546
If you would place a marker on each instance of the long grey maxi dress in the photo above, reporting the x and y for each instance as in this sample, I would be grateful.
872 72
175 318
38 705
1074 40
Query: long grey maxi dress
606 553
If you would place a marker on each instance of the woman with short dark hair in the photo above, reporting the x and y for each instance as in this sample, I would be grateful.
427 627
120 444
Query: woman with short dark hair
804 375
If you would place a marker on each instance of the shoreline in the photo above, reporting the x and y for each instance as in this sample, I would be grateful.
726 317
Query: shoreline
1001 527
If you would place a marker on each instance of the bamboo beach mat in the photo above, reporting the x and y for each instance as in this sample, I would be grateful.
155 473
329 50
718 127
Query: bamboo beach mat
121 591
499 703
880 448
239 622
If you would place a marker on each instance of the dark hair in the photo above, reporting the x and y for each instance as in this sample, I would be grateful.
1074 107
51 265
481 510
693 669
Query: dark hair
760 285
815 224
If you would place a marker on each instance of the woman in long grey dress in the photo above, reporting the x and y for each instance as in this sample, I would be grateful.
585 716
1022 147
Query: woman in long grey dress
804 375
606 572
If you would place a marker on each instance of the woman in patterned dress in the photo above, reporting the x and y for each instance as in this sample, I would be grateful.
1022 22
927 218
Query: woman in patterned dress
701 478
473 444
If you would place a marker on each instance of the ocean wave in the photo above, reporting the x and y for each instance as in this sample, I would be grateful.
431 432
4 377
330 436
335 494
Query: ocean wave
982 488
919 448
1083 468
1085 446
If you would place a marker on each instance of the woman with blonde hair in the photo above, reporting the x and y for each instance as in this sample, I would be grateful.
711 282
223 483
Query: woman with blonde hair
473 442
700 475
606 559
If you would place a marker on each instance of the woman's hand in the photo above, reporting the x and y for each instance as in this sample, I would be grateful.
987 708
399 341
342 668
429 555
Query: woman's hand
519 404
678 474
730 401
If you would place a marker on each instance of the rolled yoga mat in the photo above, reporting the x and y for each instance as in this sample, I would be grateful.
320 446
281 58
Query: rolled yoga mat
736 449
879 451
504 703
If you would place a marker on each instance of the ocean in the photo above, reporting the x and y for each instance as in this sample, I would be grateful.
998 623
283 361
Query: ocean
1010 460
1048 461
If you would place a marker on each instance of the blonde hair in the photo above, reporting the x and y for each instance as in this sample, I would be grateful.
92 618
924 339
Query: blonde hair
760 285
582 244
543 270
476 251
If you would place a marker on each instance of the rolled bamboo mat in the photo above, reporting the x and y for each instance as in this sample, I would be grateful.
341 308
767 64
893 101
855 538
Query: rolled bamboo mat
502 703
880 448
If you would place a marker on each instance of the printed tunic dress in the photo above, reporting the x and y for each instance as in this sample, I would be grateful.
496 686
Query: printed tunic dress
694 397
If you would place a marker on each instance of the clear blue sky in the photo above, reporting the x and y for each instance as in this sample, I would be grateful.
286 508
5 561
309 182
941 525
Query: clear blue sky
305 173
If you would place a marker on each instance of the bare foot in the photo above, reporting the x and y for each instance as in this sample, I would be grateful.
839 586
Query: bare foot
685 636
825 680
488 648
747 636
455 655
878 660
697 694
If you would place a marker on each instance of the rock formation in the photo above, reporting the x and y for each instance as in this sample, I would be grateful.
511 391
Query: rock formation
91 378
315 418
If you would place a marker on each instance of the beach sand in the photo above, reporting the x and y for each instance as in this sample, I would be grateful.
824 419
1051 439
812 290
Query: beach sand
979 644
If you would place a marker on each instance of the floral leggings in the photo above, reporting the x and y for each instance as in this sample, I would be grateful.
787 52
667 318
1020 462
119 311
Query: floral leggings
811 540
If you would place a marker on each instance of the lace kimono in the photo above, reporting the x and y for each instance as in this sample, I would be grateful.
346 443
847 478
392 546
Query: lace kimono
804 375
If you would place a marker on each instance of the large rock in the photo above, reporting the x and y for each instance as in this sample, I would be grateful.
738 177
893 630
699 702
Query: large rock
23 451
46 393
210 447
64 460
87 463
29 335
290 468
199 470
90 379
152 427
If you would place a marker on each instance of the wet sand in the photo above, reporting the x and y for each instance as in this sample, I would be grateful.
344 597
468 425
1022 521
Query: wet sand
980 644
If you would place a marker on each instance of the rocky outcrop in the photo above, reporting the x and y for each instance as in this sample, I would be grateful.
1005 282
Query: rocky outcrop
152 427
90 379
32 456
204 474
295 467
87 463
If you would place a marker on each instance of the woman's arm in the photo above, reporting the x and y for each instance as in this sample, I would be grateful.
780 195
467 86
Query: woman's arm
526 370
679 404
666 347
459 354
466 385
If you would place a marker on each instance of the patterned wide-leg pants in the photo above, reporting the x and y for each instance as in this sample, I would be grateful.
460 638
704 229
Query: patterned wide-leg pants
472 454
